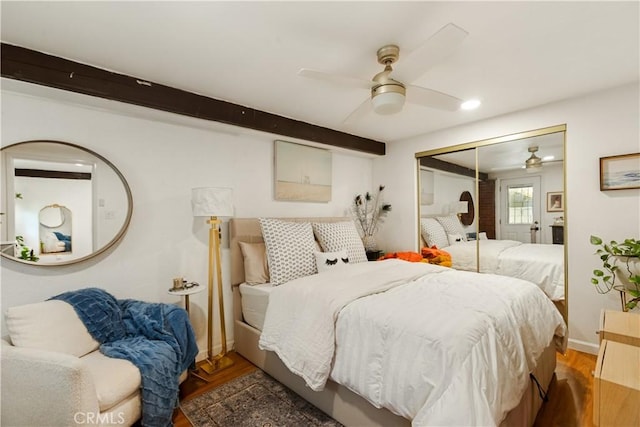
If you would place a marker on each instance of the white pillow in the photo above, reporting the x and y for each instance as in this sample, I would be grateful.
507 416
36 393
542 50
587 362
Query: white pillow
255 263
331 260
336 236
433 233
49 325
290 247
452 225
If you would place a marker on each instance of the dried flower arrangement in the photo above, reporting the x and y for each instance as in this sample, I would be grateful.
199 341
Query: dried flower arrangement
369 212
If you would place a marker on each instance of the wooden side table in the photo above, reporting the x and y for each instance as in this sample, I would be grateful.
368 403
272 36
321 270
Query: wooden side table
616 385
620 326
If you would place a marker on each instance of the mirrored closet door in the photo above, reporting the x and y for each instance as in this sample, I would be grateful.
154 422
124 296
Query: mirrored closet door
497 206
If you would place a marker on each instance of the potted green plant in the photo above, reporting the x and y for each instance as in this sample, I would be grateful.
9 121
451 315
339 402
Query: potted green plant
620 262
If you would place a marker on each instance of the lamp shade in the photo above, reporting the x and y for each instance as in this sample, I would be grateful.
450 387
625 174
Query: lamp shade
212 201
462 207
388 98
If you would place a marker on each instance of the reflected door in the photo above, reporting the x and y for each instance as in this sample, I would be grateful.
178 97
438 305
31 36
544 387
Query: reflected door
520 209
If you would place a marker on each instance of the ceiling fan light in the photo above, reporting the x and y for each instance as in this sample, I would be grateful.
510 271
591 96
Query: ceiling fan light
471 104
388 98
533 162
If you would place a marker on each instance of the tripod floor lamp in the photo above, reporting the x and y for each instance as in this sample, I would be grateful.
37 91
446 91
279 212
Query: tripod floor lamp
214 202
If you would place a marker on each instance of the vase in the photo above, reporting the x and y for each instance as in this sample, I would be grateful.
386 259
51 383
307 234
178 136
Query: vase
629 291
627 266
370 244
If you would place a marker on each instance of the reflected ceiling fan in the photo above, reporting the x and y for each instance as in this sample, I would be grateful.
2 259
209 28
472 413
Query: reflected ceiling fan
387 94
531 164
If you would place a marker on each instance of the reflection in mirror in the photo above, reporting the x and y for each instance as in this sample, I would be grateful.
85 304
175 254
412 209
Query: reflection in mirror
511 181
467 210
55 229
444 178
61 203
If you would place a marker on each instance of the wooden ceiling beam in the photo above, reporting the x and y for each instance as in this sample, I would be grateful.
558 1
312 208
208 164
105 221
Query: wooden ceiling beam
432 162
31 66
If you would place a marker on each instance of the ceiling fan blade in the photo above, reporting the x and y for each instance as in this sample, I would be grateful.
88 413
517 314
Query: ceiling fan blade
335 79
363 109
439 46
432 98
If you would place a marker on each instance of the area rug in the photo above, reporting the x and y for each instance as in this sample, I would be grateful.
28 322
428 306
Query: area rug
253 400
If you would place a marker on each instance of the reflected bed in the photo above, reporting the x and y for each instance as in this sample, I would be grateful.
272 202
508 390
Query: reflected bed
542 264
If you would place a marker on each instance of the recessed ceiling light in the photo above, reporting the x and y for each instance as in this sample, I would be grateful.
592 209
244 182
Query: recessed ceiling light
471 104
547 158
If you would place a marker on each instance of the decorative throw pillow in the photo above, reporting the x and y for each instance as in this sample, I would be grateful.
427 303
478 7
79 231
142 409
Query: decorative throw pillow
336 236
49 325
433 233
455 238
331 260
451 225
255 263
290 247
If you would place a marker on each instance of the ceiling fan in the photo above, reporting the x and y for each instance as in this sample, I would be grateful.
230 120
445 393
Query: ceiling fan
533 162
387 94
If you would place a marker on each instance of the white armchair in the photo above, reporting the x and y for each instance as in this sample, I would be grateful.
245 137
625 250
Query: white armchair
54 375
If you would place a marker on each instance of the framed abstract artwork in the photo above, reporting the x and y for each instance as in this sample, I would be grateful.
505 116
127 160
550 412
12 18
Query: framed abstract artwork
302 173
620 172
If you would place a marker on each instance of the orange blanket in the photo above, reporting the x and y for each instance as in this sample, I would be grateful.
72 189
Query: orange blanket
433 255
407 256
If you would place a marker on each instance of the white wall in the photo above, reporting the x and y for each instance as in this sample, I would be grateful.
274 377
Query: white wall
161 161
600 124
447 190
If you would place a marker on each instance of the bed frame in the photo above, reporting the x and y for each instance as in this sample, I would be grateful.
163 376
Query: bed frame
336 400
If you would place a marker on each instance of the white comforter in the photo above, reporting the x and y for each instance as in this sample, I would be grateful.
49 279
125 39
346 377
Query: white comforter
440 346
538 263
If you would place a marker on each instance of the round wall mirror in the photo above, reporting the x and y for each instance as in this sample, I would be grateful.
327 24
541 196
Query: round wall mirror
468 214
60 204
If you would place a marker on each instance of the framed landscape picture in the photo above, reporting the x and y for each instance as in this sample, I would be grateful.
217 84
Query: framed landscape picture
620 172
302 173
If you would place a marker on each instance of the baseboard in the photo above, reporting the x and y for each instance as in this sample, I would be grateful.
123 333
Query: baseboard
583 346
202 354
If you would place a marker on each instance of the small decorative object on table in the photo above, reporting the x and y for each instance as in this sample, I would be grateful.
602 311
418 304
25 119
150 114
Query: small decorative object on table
619 261
369 212
183 288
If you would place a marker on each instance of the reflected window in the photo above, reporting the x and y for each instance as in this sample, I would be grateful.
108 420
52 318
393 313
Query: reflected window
520 205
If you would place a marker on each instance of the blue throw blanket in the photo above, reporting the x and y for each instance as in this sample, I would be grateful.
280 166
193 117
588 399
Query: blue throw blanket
157 338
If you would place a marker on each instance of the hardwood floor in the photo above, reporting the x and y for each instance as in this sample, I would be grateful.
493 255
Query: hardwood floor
570 394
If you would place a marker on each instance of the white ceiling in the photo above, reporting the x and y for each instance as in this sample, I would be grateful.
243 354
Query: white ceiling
497 158
517 54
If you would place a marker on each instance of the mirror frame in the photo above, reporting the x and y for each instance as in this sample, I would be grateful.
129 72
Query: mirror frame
119 235
498 140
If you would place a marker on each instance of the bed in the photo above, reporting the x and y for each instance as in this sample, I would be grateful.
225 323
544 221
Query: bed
345 395
542 264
